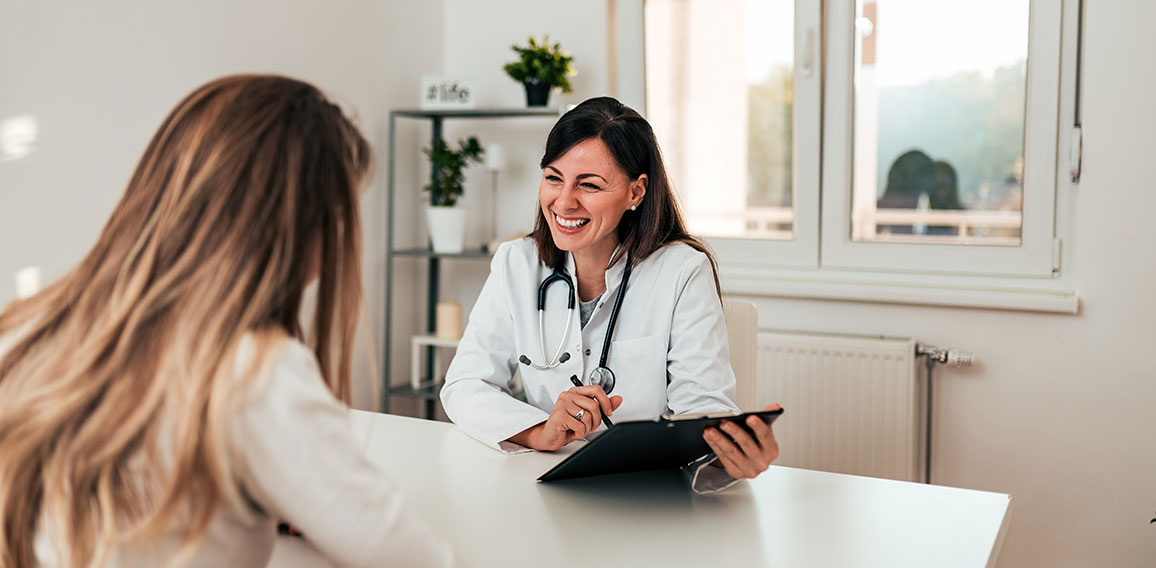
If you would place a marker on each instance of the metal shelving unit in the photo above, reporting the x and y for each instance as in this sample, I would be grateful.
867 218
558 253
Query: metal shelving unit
428 389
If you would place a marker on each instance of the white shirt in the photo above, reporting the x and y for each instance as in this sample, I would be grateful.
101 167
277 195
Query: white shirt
669 352
298 463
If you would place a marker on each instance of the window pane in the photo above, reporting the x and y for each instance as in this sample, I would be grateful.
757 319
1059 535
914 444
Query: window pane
719 84
939 121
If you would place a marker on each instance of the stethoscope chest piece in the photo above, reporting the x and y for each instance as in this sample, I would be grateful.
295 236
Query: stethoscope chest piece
603 377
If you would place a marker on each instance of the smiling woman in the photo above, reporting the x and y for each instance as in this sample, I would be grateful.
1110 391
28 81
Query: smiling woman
608 220
584 195
617 152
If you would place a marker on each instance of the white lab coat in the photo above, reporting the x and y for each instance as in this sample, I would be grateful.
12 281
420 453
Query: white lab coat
669 352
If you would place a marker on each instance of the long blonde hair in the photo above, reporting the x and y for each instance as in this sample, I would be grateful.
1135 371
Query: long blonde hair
248 182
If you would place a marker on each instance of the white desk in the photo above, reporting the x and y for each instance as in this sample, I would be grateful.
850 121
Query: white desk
496 514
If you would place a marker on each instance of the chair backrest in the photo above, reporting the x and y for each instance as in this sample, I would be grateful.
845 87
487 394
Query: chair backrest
742 319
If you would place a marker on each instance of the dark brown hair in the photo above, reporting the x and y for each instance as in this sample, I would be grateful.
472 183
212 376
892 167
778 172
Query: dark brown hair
630 139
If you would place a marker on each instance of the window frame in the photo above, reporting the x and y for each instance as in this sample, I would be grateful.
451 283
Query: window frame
1034 257
802 250
744 254
791 270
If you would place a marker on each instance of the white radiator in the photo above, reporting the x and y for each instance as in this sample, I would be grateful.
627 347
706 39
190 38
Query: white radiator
853 405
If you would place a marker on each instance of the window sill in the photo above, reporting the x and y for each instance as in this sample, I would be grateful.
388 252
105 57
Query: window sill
1018 294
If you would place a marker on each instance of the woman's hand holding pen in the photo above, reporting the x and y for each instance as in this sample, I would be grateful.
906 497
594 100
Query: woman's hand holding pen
576 413
744 456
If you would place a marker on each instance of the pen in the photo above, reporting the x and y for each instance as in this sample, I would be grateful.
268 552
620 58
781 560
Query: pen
578 383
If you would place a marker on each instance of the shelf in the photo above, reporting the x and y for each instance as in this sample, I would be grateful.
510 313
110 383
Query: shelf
482 112
434 341
474 254
426 341
427 391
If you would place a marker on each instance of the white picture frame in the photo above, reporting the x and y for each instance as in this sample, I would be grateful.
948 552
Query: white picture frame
440 92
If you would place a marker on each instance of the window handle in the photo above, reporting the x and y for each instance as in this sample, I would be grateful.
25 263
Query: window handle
809 53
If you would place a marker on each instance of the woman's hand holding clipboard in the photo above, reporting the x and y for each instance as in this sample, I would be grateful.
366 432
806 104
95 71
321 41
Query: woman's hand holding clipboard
747 448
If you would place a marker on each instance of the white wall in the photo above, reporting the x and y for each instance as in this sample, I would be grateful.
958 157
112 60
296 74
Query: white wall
100 77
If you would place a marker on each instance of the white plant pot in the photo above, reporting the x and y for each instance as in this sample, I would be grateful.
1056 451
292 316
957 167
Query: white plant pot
447 228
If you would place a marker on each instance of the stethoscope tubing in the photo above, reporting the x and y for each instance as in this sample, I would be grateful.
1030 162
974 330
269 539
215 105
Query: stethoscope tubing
613 317
559 356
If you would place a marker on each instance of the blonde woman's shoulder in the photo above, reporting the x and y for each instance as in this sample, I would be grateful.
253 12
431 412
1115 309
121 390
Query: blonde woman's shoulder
271 361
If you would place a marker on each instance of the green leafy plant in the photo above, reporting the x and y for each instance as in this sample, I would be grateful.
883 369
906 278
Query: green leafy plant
542 63
449 165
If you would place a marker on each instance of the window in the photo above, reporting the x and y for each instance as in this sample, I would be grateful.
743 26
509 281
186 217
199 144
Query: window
888 136
988 232
939 122
727 120
737 116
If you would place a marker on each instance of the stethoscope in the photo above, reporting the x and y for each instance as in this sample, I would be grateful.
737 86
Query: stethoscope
601 375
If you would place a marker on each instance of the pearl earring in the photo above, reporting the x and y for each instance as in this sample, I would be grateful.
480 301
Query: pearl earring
633 207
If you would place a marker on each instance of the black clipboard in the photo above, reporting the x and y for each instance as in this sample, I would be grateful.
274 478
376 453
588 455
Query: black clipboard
644 445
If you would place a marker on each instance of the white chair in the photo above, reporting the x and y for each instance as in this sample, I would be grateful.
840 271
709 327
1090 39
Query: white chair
742 319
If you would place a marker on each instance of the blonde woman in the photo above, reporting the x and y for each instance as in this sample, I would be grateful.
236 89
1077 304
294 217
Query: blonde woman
159 404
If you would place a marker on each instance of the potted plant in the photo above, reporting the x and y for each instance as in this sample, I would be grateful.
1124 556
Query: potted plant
541 67
446 221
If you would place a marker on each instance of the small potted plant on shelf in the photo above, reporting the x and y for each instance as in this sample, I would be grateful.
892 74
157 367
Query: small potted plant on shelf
447 221
541 67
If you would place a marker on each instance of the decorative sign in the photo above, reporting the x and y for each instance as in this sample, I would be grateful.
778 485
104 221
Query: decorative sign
445 93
